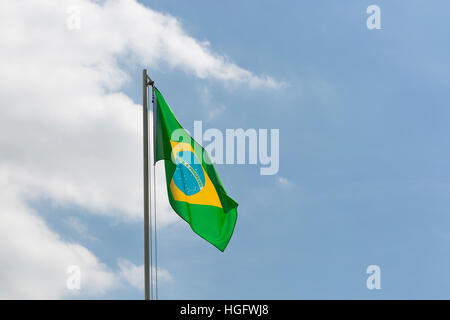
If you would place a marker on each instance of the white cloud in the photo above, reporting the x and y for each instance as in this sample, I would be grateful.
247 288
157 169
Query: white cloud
215 112
212 111
35 260
285 182
67 133
134 275
80 228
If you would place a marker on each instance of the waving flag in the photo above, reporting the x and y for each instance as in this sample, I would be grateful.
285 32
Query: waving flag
193 185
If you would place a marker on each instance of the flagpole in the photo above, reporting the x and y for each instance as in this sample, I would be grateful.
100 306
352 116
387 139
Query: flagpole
147 248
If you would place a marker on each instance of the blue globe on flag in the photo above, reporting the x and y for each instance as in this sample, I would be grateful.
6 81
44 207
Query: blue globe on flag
188 175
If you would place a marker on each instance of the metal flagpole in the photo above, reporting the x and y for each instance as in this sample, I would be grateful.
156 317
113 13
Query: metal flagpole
147 236
149 248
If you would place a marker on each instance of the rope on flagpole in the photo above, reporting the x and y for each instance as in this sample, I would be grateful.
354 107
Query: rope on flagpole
154 190
151 210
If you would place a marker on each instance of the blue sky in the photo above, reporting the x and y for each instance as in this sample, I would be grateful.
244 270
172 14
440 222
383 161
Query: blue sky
363 122
363 125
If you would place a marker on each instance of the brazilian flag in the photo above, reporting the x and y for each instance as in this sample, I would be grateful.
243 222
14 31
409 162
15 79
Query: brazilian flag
195 191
